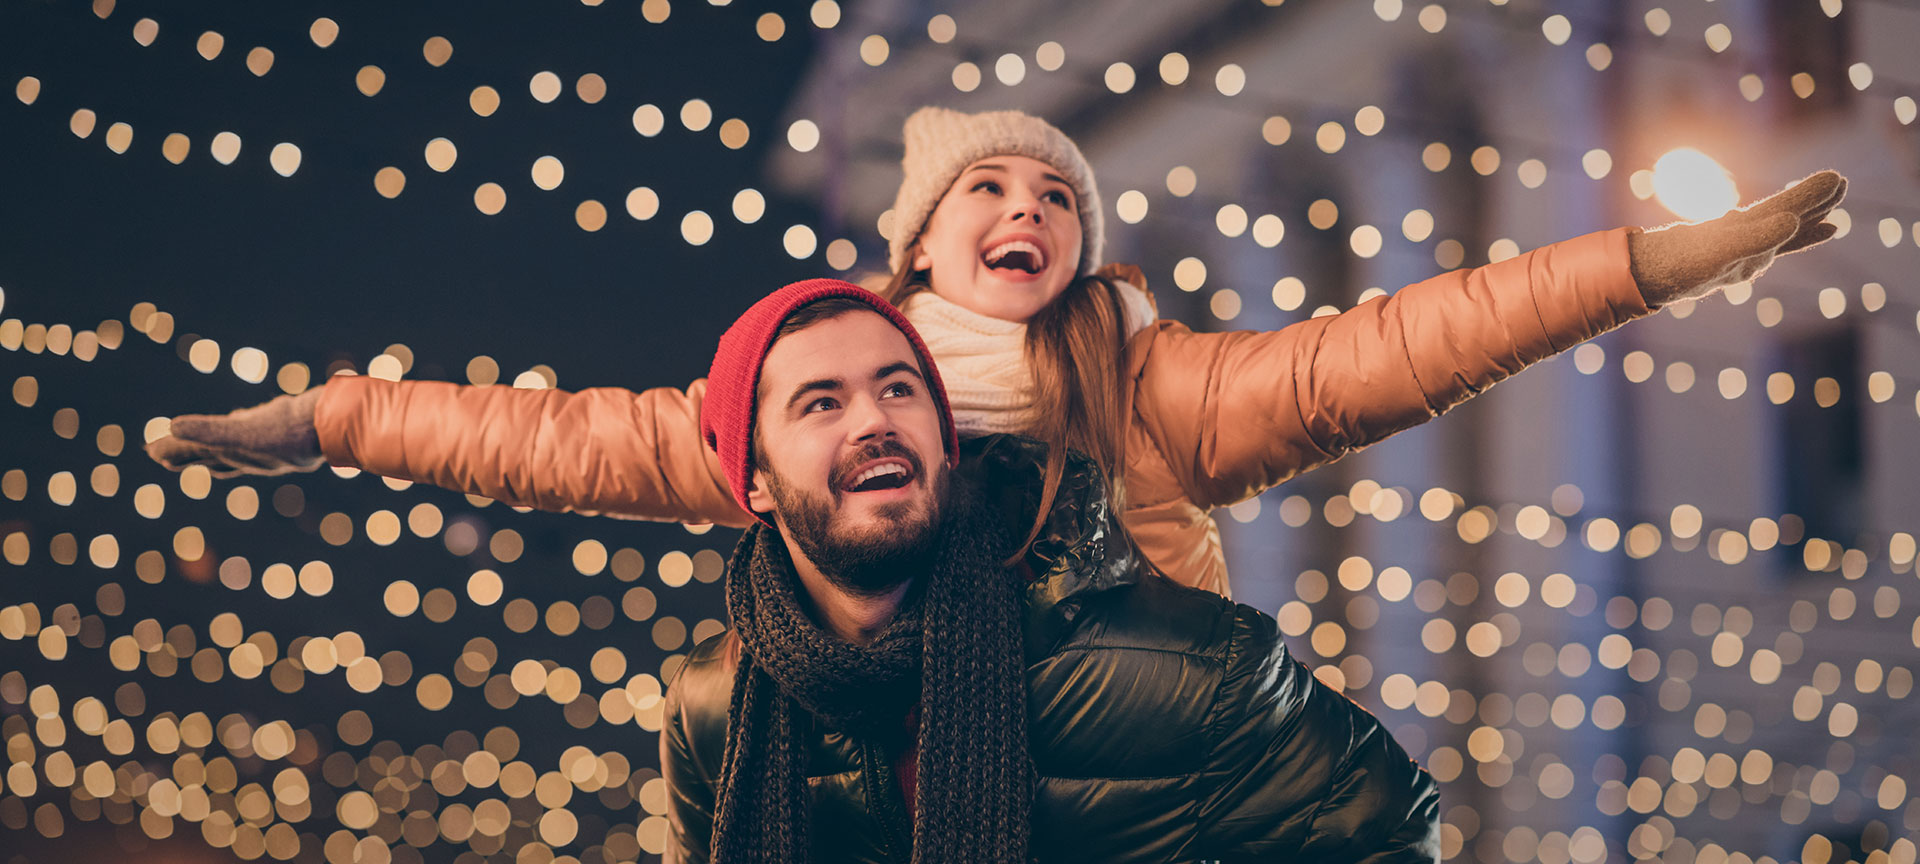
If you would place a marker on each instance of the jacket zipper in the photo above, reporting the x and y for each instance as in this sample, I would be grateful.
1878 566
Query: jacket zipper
885 802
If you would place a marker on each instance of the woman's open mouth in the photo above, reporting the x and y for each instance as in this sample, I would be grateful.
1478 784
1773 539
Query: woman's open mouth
1015 255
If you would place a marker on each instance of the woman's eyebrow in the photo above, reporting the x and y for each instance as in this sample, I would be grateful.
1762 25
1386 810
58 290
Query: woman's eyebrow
997 167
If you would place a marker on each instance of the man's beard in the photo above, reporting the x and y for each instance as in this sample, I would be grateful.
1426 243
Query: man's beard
870 561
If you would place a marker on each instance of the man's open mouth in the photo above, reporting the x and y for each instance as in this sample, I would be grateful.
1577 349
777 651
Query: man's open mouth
1020 255
888 474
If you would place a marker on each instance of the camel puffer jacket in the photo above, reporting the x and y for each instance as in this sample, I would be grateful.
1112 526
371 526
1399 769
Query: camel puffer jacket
1216 418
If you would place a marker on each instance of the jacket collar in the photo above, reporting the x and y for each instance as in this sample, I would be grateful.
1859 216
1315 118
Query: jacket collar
1082 549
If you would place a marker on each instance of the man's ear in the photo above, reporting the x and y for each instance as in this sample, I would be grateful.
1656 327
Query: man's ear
759 499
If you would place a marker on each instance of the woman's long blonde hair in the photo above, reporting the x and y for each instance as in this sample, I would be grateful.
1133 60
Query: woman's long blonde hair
1075 347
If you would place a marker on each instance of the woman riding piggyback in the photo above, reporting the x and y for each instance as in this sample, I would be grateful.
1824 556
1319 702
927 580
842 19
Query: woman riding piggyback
996 258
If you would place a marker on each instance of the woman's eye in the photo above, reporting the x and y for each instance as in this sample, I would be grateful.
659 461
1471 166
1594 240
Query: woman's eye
1059 198
987 186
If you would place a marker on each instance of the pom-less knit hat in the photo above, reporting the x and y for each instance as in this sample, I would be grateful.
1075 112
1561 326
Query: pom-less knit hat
941 143
726 417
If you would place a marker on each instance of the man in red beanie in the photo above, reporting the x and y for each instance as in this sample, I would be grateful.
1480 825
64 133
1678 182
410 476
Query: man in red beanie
878 501
892 690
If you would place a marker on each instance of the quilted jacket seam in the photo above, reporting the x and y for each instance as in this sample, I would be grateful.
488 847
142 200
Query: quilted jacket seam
1413 369
1216 712
1533 297
1319 341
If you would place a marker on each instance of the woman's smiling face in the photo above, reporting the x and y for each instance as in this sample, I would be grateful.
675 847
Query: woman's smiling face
1005 239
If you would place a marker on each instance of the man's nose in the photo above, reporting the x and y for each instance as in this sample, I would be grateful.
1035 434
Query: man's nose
869 421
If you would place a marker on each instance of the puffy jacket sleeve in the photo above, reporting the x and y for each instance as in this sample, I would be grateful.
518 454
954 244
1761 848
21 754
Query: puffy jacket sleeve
606 450
1304 774
1236 413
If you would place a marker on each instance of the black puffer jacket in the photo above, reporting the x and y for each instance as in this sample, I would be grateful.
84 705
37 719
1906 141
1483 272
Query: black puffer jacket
1167 724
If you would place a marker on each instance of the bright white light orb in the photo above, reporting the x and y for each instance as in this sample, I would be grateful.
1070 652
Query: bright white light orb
1693 186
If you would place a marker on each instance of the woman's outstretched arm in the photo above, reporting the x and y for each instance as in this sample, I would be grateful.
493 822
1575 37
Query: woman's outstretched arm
604 450
1237 413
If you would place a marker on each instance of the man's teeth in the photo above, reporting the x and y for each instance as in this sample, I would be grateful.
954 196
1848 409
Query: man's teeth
877 471
994 255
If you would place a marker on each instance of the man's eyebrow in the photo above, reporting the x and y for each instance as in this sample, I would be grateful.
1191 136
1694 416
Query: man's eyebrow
813 386
896 368
832 384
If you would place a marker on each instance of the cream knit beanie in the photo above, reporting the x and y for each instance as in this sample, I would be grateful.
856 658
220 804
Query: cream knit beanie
940 143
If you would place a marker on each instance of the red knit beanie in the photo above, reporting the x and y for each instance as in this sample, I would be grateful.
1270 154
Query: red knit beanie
726 417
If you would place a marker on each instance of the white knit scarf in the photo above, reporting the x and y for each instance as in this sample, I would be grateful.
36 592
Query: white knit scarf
983 361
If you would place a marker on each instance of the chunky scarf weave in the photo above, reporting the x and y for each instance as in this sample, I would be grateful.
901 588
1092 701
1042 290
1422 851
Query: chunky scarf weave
954 647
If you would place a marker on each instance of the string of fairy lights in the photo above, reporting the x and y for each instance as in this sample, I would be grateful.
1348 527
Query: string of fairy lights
1366 498
390 802
637 701
1638 366
800 241
322 655
1441 759
1531 521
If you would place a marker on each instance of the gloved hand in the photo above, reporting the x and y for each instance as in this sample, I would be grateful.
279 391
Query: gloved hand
1686 261
277 437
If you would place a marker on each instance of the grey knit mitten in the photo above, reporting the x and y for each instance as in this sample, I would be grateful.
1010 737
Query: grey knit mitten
277 437
1686 261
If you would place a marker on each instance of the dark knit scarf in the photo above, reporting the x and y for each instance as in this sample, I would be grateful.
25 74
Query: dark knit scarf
955 648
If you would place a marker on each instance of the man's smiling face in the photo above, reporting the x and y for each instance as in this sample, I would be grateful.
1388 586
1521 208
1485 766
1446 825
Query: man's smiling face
850 452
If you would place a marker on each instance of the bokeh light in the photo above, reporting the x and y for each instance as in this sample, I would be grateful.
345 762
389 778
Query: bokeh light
1652 602
1692 185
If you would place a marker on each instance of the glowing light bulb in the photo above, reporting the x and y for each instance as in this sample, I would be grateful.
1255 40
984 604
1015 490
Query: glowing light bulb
1693 186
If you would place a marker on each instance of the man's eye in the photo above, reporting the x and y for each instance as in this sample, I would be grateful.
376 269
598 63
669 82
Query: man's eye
818 405
900 389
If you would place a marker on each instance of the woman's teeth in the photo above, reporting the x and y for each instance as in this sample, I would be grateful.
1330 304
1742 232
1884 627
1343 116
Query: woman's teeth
1016 254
